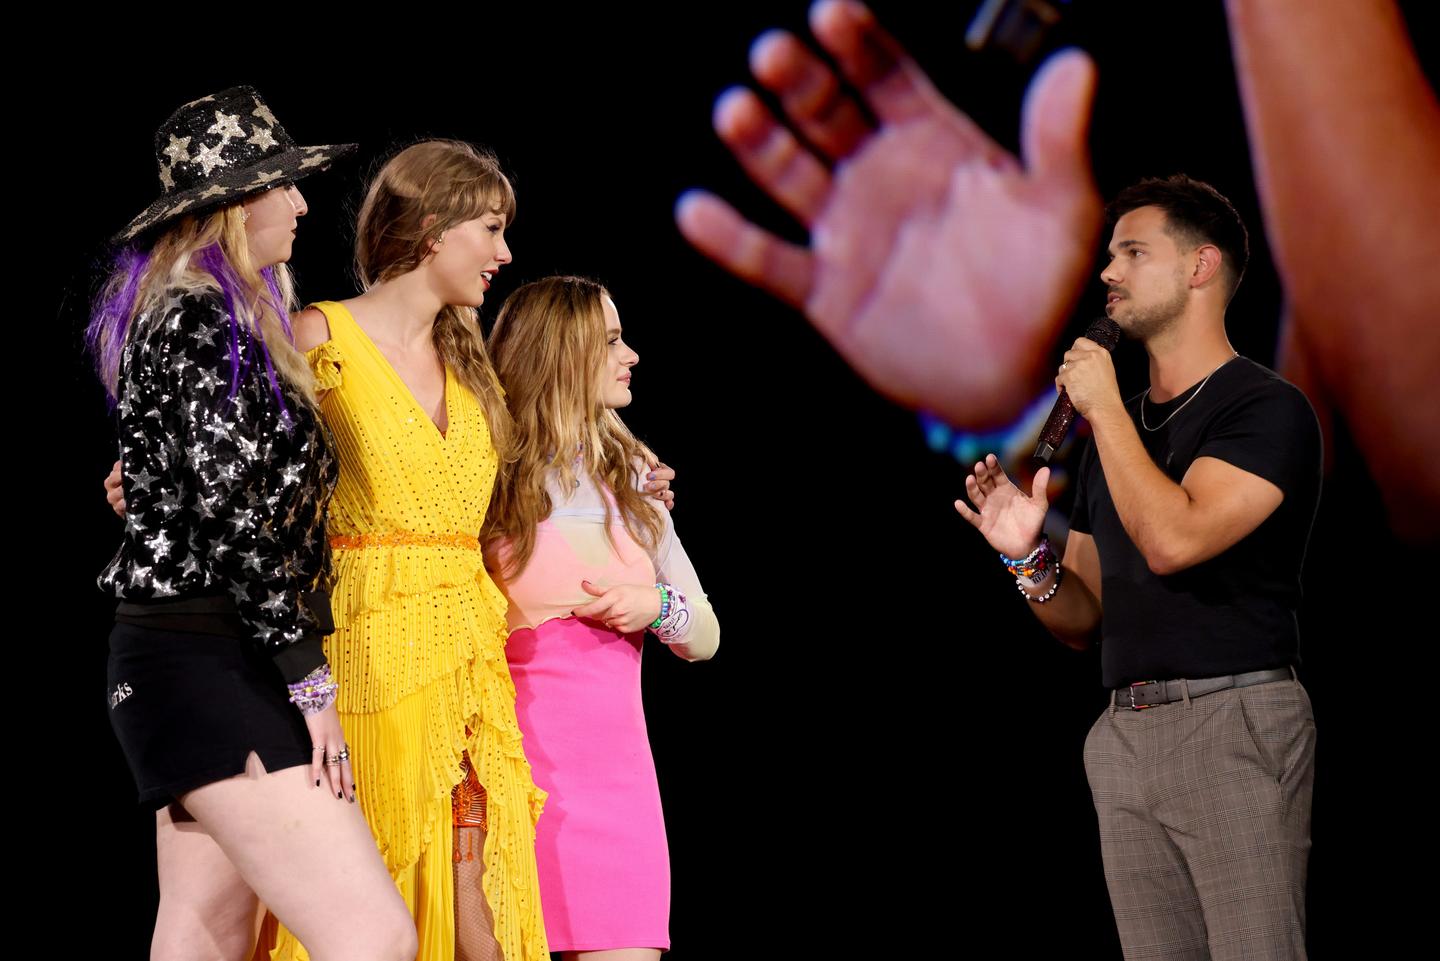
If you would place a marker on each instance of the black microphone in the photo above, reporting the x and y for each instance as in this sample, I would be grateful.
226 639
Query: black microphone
1104 332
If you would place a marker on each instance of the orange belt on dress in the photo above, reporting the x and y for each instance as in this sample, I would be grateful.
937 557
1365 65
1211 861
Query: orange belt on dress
350 542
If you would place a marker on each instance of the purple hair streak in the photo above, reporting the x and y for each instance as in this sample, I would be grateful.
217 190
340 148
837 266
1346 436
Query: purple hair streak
112 312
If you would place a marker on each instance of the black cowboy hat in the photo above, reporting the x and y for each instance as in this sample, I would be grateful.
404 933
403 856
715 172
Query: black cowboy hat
220 148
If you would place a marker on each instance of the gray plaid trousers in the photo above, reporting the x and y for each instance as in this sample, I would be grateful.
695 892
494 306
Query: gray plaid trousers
1204 811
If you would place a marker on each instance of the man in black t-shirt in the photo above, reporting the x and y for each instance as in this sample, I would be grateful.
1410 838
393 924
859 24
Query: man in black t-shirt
1193 510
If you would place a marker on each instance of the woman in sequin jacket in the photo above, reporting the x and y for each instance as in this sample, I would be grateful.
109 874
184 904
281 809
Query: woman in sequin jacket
223 565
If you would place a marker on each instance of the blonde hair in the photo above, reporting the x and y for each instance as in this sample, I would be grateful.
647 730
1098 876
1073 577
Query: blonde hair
205 252
447 182
549 346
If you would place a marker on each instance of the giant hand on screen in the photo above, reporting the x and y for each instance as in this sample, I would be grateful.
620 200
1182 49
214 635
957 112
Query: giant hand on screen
940 266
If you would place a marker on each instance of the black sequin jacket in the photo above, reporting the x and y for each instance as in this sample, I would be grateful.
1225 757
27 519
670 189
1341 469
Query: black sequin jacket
223 494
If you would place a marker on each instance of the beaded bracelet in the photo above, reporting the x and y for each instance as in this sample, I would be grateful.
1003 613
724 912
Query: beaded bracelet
666 599
314 692
1035 565
674 619
1041 598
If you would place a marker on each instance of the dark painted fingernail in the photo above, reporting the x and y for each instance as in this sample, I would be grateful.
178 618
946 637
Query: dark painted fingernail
340 795
317 782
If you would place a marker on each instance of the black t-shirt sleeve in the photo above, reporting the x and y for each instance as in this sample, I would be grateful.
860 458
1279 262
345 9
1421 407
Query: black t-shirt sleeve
1271 432
1080 510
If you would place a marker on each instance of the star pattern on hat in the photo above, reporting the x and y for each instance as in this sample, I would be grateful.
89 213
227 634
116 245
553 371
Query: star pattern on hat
208 157
178 149
227 125
197 171
263 137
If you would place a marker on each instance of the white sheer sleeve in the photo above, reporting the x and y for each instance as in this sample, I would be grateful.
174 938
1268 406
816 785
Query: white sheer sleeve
672 566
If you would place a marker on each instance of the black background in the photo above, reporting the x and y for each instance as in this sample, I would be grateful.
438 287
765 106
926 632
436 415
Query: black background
850 773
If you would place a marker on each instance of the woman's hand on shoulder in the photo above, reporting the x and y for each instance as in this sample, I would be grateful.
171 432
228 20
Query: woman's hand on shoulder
115 491
657 482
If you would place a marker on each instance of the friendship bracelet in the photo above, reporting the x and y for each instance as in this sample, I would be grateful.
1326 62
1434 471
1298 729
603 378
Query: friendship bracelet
674 619
1041 598
1035 565
665 602
314 692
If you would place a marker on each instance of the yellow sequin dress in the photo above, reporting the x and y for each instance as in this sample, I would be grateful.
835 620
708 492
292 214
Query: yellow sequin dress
419 652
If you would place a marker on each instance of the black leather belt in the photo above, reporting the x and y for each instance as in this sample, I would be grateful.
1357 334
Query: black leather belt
1143 694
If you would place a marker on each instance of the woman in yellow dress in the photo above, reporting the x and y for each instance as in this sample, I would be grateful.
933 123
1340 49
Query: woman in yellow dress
411 399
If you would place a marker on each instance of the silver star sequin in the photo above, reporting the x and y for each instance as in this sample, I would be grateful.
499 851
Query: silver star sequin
138 575
262 137
275 603
143 480
227 125
215 190
178 149
209 157
263 112
159 545
268 176
169 503
314 160
208 380
241 519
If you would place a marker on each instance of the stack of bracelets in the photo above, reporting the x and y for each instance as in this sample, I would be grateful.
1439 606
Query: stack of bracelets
1035 567
674 613
315 691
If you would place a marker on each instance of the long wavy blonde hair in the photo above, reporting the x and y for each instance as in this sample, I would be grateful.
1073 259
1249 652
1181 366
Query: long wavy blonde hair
419 193
200 252
550 349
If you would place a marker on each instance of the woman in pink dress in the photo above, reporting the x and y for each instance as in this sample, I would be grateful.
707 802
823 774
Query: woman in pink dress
588 565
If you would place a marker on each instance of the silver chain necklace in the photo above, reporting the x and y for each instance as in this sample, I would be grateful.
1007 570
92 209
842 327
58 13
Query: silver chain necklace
1146 395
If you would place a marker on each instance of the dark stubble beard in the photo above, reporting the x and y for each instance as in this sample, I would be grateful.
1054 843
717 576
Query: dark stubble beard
1146 323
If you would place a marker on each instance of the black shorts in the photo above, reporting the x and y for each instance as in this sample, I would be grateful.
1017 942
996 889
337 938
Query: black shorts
189 708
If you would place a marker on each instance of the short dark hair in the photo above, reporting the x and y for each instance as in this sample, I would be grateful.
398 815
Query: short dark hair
1195 213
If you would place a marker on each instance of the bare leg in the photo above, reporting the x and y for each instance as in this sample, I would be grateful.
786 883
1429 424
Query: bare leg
311 858
616 954
206 908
